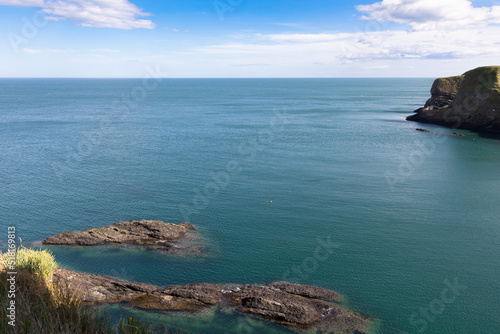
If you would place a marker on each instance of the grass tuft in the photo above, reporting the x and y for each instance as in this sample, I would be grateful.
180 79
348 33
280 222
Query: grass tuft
37 262
43 308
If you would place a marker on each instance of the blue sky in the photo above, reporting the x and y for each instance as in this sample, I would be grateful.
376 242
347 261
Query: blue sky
247 38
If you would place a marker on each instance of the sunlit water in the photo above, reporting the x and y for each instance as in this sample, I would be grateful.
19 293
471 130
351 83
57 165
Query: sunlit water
406 210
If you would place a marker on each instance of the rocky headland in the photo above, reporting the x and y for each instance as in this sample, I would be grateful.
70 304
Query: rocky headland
293 305
150 233
468 101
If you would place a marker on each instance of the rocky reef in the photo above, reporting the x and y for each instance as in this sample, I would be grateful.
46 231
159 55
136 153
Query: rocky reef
297 306
153 233
293 305
468 101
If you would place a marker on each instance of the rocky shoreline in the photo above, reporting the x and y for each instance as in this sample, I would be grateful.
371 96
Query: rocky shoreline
147 233
293 305
296 306
468 101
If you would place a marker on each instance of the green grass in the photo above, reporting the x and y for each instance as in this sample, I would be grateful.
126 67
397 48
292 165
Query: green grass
37 262
42 308
482 79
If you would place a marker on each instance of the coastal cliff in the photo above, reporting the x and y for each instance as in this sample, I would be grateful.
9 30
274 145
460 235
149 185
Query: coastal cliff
468 101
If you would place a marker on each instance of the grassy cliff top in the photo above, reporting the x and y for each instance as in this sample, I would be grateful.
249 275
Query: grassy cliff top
486 78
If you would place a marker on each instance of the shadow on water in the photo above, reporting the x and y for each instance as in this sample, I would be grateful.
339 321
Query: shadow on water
488 135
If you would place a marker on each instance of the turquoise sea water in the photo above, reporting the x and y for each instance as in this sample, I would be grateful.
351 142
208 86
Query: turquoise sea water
408 214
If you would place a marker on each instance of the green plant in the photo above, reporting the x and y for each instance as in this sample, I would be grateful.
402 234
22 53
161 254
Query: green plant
45 308
132 326
37 262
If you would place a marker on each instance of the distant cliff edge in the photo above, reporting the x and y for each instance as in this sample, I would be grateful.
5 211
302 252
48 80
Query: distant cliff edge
468 101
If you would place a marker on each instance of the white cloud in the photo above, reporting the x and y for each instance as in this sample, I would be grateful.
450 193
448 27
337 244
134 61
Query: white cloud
120 14
348 48
379 53
105 50
176 29
431 14
38 51
33 51
22 3
376 67
301 38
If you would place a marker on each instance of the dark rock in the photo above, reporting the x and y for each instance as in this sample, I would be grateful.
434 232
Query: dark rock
206 293
296 310
99 289
94 289
443 133
137 232
443 91
470 101
308 291
288 310
191 297
293 305
163 302
340 320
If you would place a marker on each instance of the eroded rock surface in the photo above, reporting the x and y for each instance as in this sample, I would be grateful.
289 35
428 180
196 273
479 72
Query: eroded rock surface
298 306
308 291
137 232
294 305
98 288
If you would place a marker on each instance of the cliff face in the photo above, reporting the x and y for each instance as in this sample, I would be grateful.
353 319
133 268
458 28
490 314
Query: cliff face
468 101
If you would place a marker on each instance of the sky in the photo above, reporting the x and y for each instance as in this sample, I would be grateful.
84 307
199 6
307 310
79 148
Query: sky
247 38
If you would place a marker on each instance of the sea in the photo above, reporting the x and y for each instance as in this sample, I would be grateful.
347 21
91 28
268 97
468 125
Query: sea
268 170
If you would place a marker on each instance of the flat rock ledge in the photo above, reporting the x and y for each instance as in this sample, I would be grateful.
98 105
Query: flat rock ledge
297 306
152 233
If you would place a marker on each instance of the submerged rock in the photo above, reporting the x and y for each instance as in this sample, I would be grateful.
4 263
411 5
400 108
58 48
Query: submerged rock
454 134
294 305
190 297
137 232
469 101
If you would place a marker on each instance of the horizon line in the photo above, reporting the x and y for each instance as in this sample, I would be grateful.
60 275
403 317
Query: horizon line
184 78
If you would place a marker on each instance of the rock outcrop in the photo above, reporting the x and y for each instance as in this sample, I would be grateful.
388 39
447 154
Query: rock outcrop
453 134
153 233
97 288
299 306
293 305
469 101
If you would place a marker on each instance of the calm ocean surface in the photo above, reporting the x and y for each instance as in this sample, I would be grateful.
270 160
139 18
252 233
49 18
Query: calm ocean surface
408 211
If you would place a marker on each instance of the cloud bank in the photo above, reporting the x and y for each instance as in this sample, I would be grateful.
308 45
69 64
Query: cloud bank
431 14
364 47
